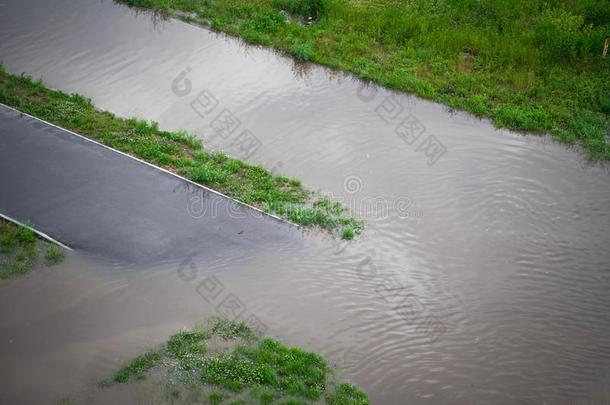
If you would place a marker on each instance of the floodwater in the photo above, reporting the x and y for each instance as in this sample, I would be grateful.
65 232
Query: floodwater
482 276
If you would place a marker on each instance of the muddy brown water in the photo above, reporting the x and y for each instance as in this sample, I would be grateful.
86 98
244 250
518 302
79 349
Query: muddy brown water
482 277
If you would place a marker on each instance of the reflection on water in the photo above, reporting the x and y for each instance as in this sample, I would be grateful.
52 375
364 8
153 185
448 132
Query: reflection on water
482 276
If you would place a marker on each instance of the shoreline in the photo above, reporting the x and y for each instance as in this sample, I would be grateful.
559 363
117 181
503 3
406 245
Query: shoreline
544 103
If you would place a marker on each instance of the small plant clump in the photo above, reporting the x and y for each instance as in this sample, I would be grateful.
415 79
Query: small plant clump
180 153
324 214
227 363
54 255
20 249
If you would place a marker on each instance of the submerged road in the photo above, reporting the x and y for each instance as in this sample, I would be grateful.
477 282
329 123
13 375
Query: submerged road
105 203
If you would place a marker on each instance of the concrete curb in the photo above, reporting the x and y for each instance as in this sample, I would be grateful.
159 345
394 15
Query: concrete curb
37 232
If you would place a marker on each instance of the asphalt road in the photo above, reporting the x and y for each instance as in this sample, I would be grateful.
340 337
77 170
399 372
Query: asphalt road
105 203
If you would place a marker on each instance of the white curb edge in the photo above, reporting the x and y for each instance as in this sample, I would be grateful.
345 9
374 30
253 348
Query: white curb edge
150 165
37 232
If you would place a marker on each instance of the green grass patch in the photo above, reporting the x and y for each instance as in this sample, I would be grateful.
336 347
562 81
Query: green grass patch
178 152
322 213
227 363
347 394
54 255
20 250
137 367
529 65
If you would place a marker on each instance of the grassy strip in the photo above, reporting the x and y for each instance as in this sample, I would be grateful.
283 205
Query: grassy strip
179 153
20 250
228 363
528 65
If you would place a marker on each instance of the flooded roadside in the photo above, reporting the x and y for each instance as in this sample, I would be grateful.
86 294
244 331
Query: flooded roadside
482 276
99 201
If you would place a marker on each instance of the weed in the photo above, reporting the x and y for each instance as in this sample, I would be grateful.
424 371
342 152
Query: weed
229 330
54 255
348 233
137 367
216 397
347 394
19 250
13 269
302 51
25 236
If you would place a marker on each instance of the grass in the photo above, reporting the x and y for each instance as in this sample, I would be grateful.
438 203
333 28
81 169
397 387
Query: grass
54 255
227 363
528 65
20 250
180 153
137 367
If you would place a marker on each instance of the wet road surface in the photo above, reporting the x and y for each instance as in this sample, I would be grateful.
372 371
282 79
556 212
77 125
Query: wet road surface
102 202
